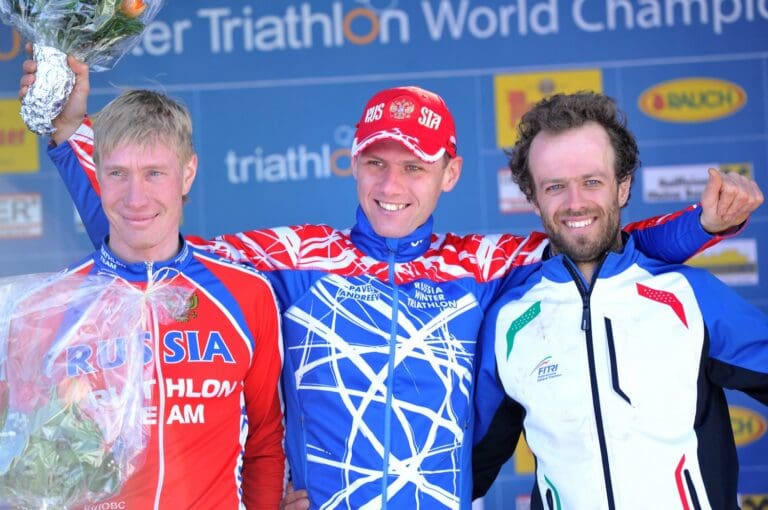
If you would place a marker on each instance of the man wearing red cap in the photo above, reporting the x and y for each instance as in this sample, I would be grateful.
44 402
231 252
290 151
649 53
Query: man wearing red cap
380 321
405 157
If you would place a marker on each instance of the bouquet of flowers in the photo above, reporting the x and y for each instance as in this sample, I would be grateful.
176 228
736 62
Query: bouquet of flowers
72 372
98 32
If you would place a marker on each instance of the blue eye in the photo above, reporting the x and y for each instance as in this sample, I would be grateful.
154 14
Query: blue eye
554 187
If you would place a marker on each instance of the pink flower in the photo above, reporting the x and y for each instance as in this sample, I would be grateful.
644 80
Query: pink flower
72 390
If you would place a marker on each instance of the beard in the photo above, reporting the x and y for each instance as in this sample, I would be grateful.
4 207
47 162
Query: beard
585 248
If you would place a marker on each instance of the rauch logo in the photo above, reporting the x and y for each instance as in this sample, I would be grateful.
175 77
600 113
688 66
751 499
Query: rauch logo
692 100
748 425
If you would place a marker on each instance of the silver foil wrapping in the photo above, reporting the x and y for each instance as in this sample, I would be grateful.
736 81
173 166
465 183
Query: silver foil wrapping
47 96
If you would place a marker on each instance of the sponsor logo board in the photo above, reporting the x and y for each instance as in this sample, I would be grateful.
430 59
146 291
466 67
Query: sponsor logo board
21 215
692 100
515 94
734 261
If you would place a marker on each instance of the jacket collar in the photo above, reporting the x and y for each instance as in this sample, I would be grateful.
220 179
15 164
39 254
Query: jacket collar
107 262
405 249
614 262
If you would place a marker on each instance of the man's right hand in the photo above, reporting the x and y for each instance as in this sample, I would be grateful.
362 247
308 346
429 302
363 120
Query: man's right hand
294 500
71 116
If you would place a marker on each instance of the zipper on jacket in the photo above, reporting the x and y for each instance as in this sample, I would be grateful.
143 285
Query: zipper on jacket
150 325
586 326
392 248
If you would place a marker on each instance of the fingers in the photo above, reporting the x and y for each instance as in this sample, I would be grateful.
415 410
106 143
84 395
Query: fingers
739 196
294 499
728 200
78 67
82 81
29 67
711 190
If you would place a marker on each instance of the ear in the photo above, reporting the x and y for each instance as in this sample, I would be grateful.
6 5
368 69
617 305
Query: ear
452 173
188 174
624 187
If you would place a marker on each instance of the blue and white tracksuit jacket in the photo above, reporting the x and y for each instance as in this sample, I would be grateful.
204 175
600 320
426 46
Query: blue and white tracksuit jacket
380 343
621 381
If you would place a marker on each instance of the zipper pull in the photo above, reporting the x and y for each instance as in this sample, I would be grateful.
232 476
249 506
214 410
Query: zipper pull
585 323
149 265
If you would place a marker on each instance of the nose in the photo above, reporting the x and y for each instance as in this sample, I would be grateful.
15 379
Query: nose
575 199
390 180
136 192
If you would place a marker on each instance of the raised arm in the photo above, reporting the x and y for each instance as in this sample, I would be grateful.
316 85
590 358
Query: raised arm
726 203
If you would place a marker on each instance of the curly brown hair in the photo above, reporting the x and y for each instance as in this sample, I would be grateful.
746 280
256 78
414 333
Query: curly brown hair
561 112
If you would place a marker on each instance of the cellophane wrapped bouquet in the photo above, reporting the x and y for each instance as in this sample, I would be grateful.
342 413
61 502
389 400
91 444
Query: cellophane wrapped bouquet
72 393
98 32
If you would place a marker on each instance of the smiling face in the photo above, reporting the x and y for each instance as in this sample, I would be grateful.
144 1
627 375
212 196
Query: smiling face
576 192
141 192
398 191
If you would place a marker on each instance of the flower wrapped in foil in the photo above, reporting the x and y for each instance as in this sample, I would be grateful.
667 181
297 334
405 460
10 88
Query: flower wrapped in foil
98 32
72 369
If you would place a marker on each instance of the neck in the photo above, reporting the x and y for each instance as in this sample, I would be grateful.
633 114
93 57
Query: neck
159 253
587 269
588 266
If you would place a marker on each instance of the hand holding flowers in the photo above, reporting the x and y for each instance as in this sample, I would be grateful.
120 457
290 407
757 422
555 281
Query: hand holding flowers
97 32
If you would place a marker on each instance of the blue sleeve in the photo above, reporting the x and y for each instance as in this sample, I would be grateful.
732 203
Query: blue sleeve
87 200
672 238
489 392
498 421
737 334
291 285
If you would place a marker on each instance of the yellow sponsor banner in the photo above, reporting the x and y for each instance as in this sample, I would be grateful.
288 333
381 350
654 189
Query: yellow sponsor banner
754 501
748 425
524 462
744 169
516 93
18 147
692 100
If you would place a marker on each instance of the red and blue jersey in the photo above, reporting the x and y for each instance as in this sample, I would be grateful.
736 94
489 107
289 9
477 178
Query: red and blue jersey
213 407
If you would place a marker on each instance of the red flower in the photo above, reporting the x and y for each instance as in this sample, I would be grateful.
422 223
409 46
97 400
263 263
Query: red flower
132 8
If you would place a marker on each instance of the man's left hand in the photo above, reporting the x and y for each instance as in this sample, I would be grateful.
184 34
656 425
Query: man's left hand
728 200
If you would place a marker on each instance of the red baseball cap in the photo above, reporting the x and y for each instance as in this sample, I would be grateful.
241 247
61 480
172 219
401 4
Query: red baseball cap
416 118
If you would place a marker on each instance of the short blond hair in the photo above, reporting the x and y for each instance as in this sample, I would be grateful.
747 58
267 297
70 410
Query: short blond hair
143 118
